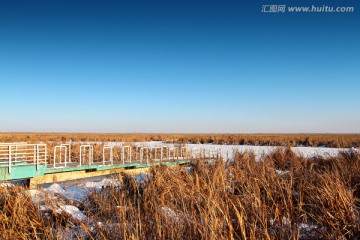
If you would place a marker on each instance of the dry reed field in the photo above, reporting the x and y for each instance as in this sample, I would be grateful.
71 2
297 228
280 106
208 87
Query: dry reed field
281 197
313 140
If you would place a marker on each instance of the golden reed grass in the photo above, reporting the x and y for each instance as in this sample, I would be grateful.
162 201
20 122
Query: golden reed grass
281 197
315 140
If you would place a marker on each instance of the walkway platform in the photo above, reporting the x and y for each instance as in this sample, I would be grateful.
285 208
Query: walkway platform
32 162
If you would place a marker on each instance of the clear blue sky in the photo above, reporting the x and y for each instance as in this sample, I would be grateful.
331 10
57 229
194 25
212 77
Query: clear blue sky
178 66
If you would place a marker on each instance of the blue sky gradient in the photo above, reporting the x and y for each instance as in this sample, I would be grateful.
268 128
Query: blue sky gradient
178 66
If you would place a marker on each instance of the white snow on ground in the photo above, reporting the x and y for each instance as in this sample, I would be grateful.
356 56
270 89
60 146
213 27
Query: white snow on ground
141 178
5 184
37 196
56 188
280 172
77 193
72 193
170 215
310 231
103 183
73 211
309 152
227 151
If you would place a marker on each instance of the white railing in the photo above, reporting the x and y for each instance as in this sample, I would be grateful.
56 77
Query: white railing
140 153
60 151
175 151
156 157
16 154
147 154
89 150
165 149
183 152
68 145
126 150
110 154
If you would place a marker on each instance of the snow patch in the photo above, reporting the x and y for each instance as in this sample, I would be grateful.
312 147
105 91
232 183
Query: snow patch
6 185
73 211
171 215
281 172
141 178
103 183
56 188
37 196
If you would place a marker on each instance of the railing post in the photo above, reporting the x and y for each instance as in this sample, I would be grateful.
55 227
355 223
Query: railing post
136 153
68 146
45 159
130 153
69 153
123 155
141 155
80 155
166 152
9 159
60 155
147 155
37 157
34 154
103 156
92 154
65 155
54 156
15 153
111 156
89 155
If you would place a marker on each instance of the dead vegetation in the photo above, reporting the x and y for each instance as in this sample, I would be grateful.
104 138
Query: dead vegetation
307 140
282 197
